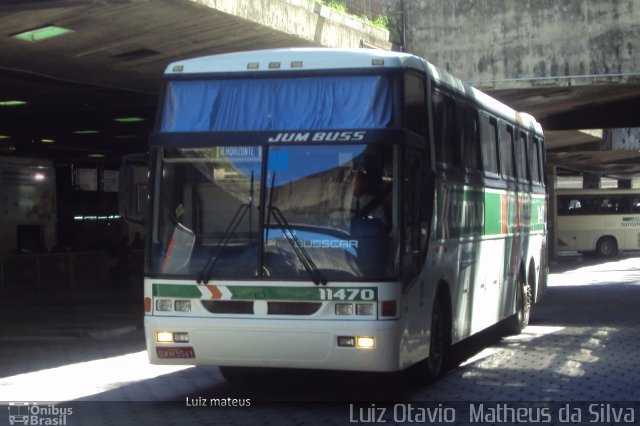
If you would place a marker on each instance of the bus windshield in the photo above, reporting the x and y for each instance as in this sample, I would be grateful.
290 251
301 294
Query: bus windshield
328 205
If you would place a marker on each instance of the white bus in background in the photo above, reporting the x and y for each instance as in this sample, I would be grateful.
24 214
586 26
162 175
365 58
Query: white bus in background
603 221
336 209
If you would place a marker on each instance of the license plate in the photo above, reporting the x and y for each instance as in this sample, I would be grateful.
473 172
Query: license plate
175 353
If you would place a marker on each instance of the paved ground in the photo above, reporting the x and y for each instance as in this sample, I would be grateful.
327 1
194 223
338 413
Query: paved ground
579 358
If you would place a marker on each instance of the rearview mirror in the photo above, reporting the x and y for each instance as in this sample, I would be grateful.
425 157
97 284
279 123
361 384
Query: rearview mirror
133 194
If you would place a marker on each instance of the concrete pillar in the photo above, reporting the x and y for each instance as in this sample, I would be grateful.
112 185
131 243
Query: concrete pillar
552 214
590 181
624 183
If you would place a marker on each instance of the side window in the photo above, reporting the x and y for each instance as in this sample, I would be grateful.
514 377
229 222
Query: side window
635 204
505 136
488 143
520 145
534 160
445 131
611 205
540 149
469 138
415 108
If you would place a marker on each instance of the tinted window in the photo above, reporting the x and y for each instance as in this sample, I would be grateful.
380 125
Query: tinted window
445 130
469 139
488 140
534 160
506 150
520 156
415 104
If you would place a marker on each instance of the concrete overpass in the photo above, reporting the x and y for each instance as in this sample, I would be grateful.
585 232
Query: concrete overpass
107 57
573 64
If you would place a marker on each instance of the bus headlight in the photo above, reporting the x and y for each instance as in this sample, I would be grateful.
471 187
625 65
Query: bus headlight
364 309
164 305
183 305
344 308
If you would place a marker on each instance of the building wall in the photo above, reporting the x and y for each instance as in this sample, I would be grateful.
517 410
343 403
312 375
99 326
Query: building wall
510 39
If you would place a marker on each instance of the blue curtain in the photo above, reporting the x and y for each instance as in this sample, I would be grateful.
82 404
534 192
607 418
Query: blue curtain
277 104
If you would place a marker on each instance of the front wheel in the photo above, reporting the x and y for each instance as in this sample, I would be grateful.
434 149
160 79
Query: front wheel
431 368
517 322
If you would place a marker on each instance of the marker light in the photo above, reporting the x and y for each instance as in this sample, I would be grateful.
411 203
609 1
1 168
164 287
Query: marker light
388 308
344 308
147 304
365 342
164 305
296 64
164 337
183 305
253 65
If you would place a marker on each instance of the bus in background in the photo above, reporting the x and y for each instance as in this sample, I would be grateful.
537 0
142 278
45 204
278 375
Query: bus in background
603 221
336 209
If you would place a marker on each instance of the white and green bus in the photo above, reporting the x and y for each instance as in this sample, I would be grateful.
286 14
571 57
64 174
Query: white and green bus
603 221
336 209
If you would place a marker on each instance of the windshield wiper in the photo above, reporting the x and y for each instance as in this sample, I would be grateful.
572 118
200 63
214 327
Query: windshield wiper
294 241
205 274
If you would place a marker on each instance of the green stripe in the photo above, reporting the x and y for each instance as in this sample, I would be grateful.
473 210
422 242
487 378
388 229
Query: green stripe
272 293
298 293
177 290
492 213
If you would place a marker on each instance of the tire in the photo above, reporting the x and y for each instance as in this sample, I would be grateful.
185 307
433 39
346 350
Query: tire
606 247
517 322
436 364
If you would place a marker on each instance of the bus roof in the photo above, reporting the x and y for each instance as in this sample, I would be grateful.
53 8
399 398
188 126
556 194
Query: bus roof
311 59
295 59
596 191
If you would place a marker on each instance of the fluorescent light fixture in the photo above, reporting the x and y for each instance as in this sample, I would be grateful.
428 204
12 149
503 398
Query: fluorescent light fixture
3 137
86 132
129 119
42 33
47 140
13 102
95 155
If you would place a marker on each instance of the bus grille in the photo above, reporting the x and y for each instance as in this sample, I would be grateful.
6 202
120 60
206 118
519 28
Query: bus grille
273 308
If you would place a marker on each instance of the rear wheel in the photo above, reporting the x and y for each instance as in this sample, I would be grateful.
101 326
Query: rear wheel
606 247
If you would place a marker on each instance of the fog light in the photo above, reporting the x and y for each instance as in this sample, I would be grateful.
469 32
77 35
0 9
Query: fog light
344 308
348 341
183 305
181 337
364 309
365 342
164 337
164 305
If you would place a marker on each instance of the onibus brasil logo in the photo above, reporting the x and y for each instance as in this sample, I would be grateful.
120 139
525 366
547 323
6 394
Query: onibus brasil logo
25 413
